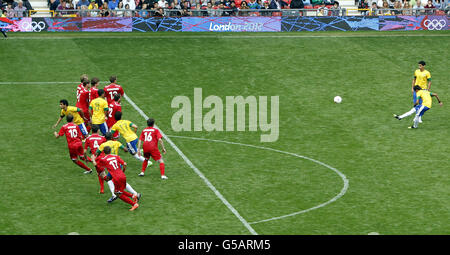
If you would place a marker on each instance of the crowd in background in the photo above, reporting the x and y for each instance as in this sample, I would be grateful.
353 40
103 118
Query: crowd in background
129 8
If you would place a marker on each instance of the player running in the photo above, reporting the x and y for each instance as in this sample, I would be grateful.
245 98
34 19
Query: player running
112 89
116 171
83 101
124 127
113 107
98 109
426 103
77 114
114 146
92 143
151 138
74 142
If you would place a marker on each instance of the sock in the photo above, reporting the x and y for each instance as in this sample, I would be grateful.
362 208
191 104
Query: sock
111 188
126 199
82 165
129 188
416 121
139 158
144 165
406 114
162 168
102 182
128 194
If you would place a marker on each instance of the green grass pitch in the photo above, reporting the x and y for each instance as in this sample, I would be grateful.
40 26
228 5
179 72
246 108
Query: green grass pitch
398 178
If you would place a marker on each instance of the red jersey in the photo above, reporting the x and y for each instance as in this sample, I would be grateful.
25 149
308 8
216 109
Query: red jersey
113 107
113 163
111 90
150 137
82 98
73 134
93 94
93 142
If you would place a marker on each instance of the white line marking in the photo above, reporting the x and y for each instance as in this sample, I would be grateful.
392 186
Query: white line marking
222 36
40 83
198 172
343 177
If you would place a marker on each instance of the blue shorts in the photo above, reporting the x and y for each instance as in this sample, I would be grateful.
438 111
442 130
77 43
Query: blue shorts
422 110
132 146
103 128
83 129
415 98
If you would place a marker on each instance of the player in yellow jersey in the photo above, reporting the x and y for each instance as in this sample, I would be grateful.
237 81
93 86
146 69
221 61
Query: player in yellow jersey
421 78
127 130
77 113
98 109
114 146
425 95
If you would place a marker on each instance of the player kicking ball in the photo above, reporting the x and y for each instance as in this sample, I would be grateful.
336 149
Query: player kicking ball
116 171
425 96
151 138
74 142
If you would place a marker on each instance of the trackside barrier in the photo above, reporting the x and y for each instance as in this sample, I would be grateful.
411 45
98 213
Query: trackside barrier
226 24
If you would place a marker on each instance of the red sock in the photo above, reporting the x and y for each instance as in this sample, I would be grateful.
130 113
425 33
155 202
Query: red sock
144 165
126 193
126 199
161 168
82 165
102 183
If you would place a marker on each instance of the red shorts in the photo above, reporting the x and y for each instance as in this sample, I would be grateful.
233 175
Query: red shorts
100 167
87 116
76 150
120 183
154 153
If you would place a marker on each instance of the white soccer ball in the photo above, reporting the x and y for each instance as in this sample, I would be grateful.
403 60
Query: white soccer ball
337 99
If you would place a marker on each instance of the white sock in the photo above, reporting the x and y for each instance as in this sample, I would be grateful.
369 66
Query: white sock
416 121
111 187
139 158
406 114
130 189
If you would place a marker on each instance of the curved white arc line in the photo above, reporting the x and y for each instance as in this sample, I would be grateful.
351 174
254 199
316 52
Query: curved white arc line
343 177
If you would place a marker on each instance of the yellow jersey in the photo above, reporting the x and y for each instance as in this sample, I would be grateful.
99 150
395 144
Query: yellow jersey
422 78
115 145
98 106
124 128
74 112
426 97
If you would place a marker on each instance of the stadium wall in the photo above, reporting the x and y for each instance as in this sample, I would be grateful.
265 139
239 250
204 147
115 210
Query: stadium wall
226 24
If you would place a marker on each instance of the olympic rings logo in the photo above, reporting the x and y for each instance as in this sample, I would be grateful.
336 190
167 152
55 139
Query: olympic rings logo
435 24
34 26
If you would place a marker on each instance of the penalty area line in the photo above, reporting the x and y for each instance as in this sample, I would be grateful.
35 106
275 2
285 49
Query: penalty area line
196 170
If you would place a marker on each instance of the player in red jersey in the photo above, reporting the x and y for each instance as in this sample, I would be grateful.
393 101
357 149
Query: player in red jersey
83 101
93 92
151 138
112 89
74 142
116 171
93 142
113 107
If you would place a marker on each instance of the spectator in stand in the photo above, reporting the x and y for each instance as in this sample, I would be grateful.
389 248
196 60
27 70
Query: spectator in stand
105 11
60 9
27 5
112 4
128 12
131 4
363 7
316 2
118 12
429 8
162 3
245 7
93 5
233 9
185 9
321 11
266 9
10 13
391 3
407 10
54 5
438 4
385 10
374 9
397 8
336 9
418 8
252 4
20 10
297 4
83 2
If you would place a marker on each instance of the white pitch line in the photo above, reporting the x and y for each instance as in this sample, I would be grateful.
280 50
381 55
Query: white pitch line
343 177
198 172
